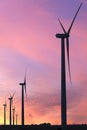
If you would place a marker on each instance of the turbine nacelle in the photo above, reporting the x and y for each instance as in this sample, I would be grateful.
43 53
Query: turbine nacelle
66 35
10 98
22 84
4 105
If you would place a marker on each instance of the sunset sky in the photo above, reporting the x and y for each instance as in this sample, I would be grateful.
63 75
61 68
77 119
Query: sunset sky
27 40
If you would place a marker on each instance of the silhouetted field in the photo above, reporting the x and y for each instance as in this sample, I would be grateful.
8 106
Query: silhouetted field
43 127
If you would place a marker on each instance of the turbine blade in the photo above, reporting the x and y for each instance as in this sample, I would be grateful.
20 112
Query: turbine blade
25 82
74 18
25 85
62 26
13 94
12 102
10 94
26 98
67 45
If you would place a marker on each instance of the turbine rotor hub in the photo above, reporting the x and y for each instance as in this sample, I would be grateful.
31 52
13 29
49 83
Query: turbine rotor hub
66 35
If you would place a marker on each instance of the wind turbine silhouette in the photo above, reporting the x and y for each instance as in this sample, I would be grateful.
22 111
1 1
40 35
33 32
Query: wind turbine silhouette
10 103
16 119
22 107
64 36
5 105
13 115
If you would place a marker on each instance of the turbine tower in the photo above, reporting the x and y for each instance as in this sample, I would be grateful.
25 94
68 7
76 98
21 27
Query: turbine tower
5 105
13 115
10 103
63 37
22 103
16 119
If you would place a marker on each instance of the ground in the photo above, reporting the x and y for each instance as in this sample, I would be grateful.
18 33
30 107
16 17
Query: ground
42 127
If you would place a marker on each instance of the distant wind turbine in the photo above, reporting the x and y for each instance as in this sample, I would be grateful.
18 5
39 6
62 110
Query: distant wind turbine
16 119
22 107
10 103
13 115
64 36
5 105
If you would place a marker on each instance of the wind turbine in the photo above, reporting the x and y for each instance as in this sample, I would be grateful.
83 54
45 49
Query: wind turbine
5 105
16 119
10 103
64 36
22 107
13 115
